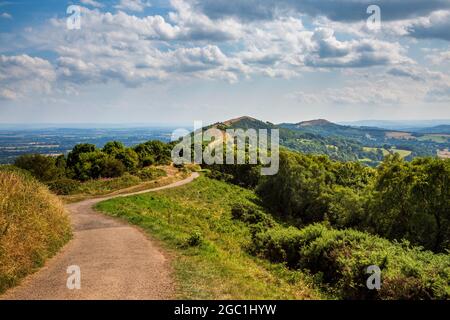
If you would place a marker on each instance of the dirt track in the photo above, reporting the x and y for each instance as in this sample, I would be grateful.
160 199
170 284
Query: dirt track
116 260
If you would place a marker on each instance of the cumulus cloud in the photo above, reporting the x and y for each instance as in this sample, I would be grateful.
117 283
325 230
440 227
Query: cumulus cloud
362 88
438 57
132 5
357 94
345 10
440 94
436 25
188 43
92 3
332 53
21 75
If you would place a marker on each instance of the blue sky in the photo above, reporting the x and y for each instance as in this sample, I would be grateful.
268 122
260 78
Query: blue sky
177 61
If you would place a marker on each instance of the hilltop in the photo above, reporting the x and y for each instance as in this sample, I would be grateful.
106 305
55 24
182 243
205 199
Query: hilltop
244 122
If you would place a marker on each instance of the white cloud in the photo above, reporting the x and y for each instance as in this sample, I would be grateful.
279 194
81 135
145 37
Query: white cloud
132 5
378 88
438 57
332 53
343 10
92 3
21 75
188 44
436 25
439 94
5 15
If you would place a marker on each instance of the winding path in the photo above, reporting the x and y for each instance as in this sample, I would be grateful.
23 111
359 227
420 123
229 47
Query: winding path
116 260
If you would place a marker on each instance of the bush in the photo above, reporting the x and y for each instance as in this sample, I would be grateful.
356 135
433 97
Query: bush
195 239
103 186
153 152
41 167
33 226
129 158
109 168
250 215
64 186
342 257
150 173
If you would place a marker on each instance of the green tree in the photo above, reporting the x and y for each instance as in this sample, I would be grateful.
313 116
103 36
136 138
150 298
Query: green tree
129 158
42 167
74 156
156 151
411 201
113 147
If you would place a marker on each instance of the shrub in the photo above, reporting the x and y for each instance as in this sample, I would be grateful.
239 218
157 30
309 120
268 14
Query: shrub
156 152
109 168
33 226
64 186
250 215
41 167
151 173
113 147
102 186
129 158
342 256
194 239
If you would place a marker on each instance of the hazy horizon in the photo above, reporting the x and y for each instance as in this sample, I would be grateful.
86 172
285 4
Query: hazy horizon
127 125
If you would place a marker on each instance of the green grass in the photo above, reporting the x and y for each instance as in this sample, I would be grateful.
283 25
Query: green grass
403 153
218 267
439 138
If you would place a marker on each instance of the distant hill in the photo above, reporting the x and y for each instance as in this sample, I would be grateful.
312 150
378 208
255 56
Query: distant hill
442 129
327 128
406 125
345 142
244 122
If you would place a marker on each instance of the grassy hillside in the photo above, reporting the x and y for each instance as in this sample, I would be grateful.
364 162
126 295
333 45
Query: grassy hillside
211 260
33 226
227 247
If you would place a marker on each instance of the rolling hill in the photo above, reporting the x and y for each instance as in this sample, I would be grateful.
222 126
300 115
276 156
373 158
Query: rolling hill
349 143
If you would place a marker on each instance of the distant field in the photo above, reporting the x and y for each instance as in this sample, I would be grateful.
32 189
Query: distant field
445 154
400 135
439 138
54 141
403 153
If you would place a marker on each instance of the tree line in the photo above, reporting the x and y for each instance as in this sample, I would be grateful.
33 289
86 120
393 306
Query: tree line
398 200
86 161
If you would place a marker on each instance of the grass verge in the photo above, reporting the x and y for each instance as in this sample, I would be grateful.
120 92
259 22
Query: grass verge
126 184
33 226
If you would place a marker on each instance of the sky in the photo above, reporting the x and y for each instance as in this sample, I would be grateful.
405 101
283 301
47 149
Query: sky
176 61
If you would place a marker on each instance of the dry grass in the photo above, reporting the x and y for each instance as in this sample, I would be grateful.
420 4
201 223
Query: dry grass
125 184
400 135
33 226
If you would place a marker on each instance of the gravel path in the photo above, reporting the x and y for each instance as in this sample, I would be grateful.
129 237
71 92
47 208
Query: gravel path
116 260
